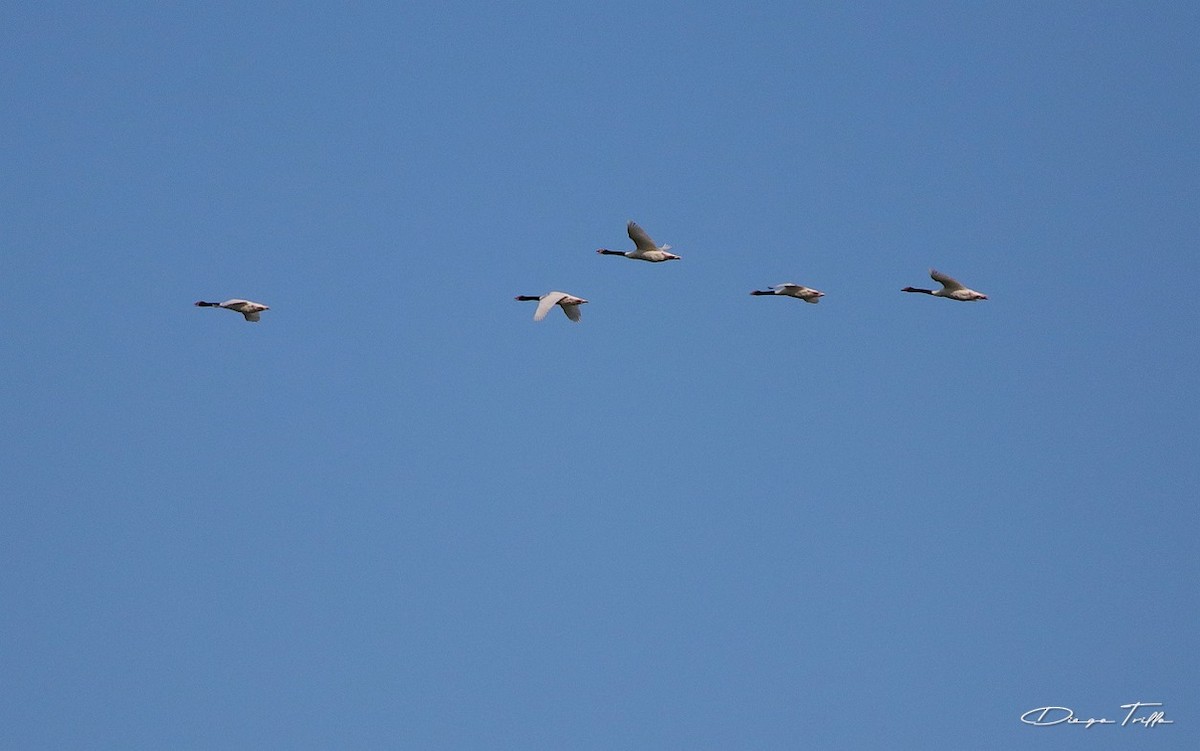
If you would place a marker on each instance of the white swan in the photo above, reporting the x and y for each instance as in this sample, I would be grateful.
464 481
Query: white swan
645 250
797 291
569 303
951 289
249 309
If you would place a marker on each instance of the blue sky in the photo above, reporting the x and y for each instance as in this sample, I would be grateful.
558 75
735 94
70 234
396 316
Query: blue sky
399 514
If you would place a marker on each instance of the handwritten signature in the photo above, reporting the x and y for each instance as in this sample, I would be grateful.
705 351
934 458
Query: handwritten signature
1045 716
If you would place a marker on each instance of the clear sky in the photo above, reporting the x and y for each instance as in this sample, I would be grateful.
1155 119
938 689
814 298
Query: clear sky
397 513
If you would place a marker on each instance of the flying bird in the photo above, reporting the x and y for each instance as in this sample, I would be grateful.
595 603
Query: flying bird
797 291
249 309
569 304
951 289
645 250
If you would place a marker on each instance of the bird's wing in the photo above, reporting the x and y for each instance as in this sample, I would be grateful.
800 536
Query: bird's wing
572 311
787 287
950 284
640 238
251 315
548 301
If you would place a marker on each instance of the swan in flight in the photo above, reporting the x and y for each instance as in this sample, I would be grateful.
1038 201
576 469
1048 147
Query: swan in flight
646 250
569 303
797 291
245 307
951 289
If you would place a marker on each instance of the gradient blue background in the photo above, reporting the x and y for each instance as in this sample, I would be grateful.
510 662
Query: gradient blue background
398 514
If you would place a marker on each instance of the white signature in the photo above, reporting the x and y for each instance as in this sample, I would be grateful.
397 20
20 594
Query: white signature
1043 716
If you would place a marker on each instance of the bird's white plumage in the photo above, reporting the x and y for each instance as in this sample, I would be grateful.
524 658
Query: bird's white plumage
799 291
949 284
951 289
791 289
640 239
569 304
645 249
248 308
547 302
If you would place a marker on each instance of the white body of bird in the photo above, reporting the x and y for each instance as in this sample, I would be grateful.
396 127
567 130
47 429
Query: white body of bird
247 308
951 289
645 249
798 291
569 304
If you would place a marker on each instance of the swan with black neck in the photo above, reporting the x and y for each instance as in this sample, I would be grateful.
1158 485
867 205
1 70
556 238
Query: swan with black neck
951 289
569 304
645 249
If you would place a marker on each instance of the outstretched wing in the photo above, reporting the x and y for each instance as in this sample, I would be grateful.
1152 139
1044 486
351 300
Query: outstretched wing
950 284
251 315
572 311
640 238
548 301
